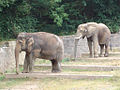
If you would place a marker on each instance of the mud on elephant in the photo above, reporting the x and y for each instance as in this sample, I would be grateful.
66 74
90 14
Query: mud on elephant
96 34
39 45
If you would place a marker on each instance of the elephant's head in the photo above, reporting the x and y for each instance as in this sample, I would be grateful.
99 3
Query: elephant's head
24 42
82 30
86 30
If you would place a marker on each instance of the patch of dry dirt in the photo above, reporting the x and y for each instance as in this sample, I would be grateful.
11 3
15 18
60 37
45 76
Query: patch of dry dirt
28 85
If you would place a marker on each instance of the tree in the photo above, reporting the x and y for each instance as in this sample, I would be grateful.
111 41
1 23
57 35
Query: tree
55 16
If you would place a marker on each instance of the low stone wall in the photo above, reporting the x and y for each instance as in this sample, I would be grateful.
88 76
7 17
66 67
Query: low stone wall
115 40
7 56
69 42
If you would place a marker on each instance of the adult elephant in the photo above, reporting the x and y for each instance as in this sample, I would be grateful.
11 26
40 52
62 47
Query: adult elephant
96 34
39 45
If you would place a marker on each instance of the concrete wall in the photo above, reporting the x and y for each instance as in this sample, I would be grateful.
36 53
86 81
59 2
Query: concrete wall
7 59
7 56
115 40
83 46
69 46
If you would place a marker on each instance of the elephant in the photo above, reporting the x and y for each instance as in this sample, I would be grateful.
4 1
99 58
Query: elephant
97 34
39 45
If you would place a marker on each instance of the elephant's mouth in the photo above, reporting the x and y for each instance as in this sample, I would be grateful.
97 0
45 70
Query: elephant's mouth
23 49
83 37
80 37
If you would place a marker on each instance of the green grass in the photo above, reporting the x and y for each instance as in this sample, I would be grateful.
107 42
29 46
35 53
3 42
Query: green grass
63 84
93 62
42 61
14 70
86 72
68 84
2 77
7 83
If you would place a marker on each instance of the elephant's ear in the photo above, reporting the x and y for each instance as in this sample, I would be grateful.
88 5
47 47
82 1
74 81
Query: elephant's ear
91 25
86 28
92 28
30 44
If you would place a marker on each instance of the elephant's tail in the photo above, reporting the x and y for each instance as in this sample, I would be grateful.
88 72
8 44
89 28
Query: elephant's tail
111 44
60 56
60 50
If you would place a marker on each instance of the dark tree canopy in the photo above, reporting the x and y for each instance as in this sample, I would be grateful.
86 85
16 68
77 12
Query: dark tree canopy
55 16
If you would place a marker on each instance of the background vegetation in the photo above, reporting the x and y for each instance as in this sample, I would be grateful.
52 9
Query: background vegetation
56 16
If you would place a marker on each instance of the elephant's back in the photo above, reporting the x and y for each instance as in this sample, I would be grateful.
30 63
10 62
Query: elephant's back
104 34
48 42
51 46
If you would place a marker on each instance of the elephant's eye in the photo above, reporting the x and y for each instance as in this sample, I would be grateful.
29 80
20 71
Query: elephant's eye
85 30
81 31
20 41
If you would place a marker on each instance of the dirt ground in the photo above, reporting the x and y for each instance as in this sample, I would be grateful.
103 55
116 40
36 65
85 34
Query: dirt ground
71 84
65 84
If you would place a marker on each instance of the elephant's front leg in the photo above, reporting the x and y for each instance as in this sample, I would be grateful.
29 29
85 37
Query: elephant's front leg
31 60
90 46
55 66
95 46
26 64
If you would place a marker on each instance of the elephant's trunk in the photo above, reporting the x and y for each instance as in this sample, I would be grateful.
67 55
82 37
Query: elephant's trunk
75 48
78 35
17 51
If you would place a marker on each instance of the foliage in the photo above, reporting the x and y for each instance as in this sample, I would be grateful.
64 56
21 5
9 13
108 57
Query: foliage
81 11
55 16
2 77
23 9
5 3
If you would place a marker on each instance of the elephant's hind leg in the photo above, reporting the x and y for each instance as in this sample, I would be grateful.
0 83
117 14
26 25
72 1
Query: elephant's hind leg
101 50
55 66
106 50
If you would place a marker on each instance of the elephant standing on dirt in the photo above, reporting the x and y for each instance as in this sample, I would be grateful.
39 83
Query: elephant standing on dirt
96 34
39 45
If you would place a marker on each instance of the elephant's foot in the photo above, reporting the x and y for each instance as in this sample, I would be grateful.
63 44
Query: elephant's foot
31 71
56 71
56 67
17 72
91 56
106 55
95 56
101 55
25 71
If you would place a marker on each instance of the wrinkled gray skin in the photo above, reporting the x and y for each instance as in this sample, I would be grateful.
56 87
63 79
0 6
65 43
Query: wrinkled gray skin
39 45
96 34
